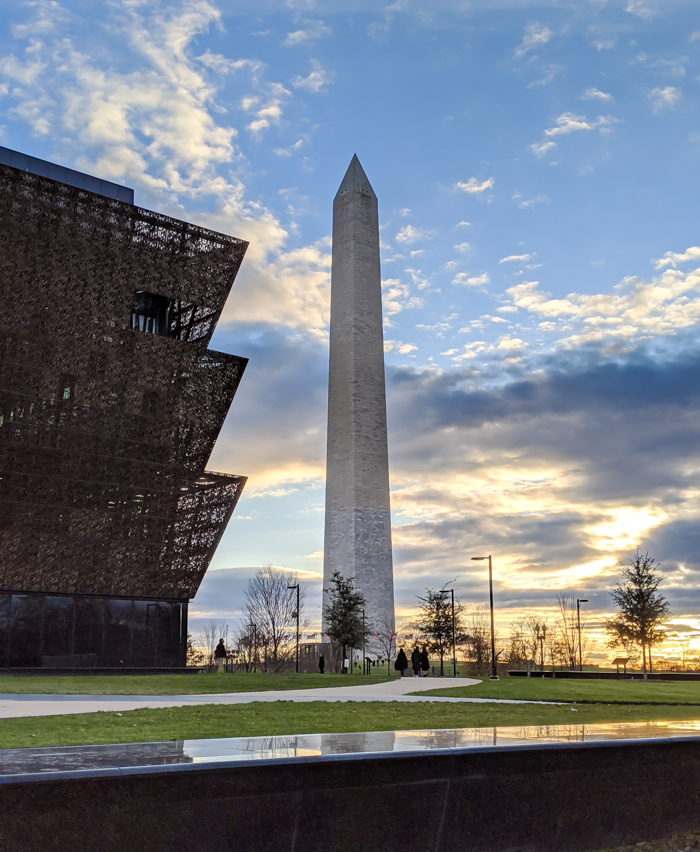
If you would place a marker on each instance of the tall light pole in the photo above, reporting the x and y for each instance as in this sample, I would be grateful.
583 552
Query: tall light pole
579 601
454 641
364 662
494 670
297 615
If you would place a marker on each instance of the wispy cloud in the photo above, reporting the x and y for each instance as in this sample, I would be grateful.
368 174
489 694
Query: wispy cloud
534 36
473 187
645 9
472 280
596 94
666 98
408 234
380 27
604 43
310 31
530 203
568 122
316 80
516 258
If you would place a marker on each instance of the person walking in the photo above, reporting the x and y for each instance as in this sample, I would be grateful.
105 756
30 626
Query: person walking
415 662
424 661
220 655
321 664
401 663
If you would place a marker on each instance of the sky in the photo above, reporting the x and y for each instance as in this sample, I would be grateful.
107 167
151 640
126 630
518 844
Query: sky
536 165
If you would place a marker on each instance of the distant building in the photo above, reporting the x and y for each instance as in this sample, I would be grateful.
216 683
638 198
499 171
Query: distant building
110 404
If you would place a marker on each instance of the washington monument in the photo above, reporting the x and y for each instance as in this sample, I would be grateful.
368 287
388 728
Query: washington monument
358 519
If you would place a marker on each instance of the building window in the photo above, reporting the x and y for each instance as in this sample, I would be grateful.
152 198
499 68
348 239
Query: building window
165 317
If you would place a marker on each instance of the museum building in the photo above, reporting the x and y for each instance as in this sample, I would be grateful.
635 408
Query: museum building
110 404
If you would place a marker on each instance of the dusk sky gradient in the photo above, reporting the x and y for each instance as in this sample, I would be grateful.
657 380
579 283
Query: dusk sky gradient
536 165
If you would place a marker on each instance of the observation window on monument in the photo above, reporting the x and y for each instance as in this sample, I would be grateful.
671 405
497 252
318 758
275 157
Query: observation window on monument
166 317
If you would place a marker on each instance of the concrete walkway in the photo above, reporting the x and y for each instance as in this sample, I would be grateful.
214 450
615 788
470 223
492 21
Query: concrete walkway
17 706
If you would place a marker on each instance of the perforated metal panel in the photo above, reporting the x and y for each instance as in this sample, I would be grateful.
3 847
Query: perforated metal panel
106 429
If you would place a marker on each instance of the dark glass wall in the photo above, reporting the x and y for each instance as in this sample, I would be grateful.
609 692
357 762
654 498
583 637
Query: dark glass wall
74 631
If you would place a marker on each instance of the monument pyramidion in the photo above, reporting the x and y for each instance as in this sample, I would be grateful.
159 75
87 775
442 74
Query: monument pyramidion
358 517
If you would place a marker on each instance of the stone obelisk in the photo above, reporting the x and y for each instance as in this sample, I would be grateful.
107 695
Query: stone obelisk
358 518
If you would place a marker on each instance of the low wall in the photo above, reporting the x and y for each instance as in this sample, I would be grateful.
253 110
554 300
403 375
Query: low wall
635 675
562 797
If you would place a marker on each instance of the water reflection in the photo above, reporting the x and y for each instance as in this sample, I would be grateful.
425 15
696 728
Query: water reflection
245 749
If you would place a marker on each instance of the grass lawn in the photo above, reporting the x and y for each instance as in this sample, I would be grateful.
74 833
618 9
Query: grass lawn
282 717
596 691
175 684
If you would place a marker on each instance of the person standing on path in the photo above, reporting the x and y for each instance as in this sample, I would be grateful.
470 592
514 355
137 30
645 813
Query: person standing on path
321 664
415 662
424 661
220 655
401 663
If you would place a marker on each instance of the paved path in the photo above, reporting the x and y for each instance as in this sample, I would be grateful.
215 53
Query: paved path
15 706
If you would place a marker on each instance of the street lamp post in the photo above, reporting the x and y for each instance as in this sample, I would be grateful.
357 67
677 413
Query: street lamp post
364 662
454 641
494 670
579 601
297 615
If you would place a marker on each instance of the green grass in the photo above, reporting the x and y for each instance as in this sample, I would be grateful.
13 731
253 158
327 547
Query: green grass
596 691
176 684
282 717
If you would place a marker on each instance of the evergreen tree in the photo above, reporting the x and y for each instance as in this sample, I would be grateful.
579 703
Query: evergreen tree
435 620
642 608
343 615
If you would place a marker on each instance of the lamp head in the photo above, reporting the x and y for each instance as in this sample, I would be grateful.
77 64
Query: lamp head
479 558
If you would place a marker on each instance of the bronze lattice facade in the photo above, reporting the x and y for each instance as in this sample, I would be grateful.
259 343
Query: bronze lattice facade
110 404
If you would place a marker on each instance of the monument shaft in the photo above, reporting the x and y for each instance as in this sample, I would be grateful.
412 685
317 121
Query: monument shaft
358 518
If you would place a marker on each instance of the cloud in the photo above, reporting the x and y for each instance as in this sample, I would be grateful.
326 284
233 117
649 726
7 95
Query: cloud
604 43
635 310
515 258
317 79
473 187
694 36
593 94
266 109
530 204
539 149
550 72
474 281
463 247
568 123
408 234
672 258
645 9
312 31
377 29
534 36
399 347
674 67
666 98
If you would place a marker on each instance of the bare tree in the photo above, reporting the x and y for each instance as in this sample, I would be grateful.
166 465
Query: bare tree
208 637
526 641
383 640
476 639
272 607
435 619
567 624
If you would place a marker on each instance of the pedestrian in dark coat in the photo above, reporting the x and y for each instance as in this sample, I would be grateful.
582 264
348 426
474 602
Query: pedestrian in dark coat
220 654
415 662
401 663
321 663
424 661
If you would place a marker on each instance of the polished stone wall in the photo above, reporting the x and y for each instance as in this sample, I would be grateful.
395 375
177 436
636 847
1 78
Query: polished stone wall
533 798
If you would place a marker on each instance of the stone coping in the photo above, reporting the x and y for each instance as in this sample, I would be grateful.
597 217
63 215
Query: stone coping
66 762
